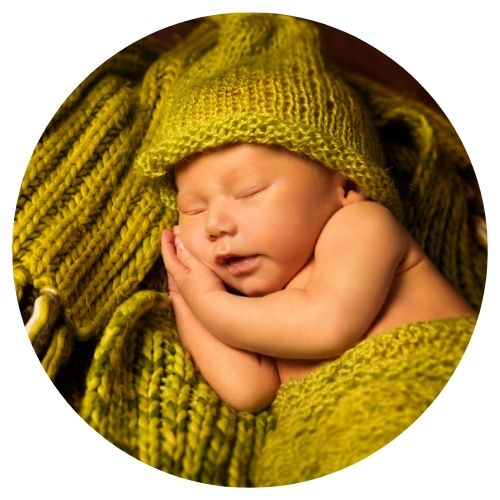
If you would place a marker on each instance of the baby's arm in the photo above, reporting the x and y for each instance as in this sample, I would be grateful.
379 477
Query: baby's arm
244 380
355 260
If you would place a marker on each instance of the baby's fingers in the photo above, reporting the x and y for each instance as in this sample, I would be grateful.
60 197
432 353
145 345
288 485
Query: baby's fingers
172 285
183 254
169 255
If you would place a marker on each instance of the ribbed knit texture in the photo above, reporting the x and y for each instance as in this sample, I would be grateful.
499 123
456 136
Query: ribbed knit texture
86 228
91 286
144 394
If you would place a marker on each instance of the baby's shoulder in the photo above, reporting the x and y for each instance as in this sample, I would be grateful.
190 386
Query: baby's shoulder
365 223
364 215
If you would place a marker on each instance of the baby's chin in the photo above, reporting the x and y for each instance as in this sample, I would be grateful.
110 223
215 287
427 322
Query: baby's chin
249 292
252 290
257 285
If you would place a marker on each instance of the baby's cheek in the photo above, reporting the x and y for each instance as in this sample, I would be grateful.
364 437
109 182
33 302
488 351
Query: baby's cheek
192 244
196 244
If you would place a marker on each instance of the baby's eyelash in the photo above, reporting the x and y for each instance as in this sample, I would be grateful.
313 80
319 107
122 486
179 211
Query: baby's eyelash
192 212
248 193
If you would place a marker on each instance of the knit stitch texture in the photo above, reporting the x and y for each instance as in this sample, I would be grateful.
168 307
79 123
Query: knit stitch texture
351 407
262 79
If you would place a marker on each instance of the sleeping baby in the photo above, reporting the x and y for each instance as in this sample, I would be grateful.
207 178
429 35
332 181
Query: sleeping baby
279 264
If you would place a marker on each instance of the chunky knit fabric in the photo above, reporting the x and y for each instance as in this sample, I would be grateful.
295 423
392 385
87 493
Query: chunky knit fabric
91 287
263 79
86 228
144 395
351 407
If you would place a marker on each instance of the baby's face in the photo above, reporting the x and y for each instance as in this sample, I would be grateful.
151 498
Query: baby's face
253 214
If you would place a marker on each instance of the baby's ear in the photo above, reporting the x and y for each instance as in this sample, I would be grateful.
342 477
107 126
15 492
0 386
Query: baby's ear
350 192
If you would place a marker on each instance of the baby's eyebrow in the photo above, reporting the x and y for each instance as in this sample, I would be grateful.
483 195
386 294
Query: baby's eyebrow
248 173
187 197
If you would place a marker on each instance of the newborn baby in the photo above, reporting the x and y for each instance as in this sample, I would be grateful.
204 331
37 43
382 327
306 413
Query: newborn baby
280 264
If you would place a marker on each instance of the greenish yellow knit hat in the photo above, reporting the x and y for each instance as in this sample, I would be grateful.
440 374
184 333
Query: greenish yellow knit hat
261 78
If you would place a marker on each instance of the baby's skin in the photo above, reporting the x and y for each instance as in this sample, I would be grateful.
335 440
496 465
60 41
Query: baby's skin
279 264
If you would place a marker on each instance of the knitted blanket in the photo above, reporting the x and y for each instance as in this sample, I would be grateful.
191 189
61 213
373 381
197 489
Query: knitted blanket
351 407
91 289
144 395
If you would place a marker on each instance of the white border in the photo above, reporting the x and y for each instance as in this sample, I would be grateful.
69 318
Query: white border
49 47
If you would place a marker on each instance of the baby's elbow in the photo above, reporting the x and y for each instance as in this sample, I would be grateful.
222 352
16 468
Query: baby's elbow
252 402
256 395
335 337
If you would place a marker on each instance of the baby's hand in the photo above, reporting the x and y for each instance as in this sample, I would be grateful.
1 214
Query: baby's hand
189 276
174 293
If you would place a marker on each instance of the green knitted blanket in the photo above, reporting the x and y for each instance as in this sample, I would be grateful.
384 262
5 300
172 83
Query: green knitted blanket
351 407
91 289
144 395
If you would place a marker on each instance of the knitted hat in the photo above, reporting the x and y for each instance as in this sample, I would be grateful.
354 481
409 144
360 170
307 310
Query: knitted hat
262 79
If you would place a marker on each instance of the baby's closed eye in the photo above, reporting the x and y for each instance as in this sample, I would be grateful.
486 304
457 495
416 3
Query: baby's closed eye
192 210
250 192
190 205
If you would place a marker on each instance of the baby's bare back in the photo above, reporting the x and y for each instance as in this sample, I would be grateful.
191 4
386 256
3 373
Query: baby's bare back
418 292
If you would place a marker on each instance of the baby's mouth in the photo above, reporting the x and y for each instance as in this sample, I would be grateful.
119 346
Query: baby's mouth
238 265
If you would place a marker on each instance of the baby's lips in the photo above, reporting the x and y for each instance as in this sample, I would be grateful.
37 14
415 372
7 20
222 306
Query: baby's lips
225 258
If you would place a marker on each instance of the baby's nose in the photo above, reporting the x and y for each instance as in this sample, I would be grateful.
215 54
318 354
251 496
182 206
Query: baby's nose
220 220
